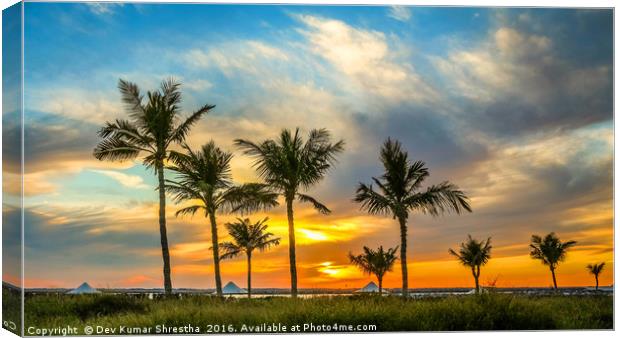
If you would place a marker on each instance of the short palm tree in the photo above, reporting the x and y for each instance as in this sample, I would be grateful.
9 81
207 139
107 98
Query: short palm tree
289 165
153 125
375 262
400 194
203 178
247 237
474 254
550 251
595 270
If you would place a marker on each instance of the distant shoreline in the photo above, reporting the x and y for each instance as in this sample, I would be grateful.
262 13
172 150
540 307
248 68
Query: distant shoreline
329 291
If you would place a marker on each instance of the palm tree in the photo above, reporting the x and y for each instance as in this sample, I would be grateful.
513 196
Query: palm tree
153 125
550 251
248 237
204 178
377 262
474 254
596 269
399 194
289 165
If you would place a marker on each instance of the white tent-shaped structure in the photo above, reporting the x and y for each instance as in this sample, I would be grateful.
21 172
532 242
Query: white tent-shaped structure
232 289
370 288
82 289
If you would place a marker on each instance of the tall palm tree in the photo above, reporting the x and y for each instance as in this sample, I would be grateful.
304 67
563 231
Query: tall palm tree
400 194
474 254
596 269
247 237
154 124
289 165
550 251
377 262
203 178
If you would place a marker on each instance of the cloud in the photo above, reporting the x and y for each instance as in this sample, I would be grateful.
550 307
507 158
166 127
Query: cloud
518 82
130 181
367 60
400 13
103 8
76 103
246 56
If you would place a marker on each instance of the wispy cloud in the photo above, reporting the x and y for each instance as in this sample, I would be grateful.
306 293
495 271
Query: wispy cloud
130 181
103 8
400 13
368 59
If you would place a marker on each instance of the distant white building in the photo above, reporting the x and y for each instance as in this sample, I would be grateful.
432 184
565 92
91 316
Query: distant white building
232 289
83 289
370 288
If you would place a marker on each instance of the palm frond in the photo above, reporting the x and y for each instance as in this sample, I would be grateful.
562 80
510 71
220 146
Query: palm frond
115 149
316 204
191 210
372 201
246 198
443 197
131 97
180 133
230 250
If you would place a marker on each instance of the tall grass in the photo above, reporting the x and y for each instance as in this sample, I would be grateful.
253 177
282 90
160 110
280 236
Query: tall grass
484 312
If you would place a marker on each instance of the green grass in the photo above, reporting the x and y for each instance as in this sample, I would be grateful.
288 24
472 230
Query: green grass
11 309
485 312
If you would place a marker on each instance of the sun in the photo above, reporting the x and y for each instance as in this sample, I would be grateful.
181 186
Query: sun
314 235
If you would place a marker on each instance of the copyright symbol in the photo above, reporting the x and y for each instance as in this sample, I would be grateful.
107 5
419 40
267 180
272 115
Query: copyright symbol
88 330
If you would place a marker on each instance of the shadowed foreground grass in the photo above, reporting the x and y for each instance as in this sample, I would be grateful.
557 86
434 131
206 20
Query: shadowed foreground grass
485 312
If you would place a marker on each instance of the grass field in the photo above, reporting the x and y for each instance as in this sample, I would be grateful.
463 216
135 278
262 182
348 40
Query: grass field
485 312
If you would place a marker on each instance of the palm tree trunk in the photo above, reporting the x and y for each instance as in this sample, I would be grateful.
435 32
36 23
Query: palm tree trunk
249 275
555 283
291 246
380 280
216 254
162 228
473 272
596 278
403 255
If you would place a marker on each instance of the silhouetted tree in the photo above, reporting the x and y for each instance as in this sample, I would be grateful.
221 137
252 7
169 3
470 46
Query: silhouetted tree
153 125
204 179
596 269
400 194
289 165
474 254
550 251
375 262
247 237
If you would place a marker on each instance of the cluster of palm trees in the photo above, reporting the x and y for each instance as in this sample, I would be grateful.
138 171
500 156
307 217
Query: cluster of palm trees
474 254
288 166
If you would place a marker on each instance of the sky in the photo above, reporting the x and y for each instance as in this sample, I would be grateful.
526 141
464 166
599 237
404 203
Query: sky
512 105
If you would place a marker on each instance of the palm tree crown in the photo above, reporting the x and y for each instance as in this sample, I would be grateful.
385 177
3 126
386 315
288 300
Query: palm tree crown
399 193
474 254
247 237
204 178
377 262
550 251
154 124
289 165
